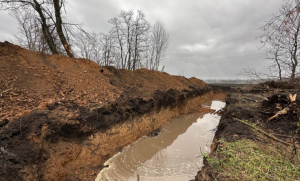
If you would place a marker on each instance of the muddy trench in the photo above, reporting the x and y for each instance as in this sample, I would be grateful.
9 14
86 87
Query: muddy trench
172 153
69 142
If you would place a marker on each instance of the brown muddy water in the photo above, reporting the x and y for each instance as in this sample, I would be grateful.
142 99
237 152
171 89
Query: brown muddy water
175 154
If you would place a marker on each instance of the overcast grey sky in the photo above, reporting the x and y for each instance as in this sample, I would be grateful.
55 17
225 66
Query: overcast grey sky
209 38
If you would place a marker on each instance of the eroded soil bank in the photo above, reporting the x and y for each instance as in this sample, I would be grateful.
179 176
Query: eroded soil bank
258 135
62 118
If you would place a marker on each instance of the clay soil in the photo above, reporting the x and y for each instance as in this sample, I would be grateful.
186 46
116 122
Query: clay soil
256 105
51 104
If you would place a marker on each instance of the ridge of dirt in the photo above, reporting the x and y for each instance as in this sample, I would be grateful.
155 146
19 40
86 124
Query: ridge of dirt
255 104
30 80
53 99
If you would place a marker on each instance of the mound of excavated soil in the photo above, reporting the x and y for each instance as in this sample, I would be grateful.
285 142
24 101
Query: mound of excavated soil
30 80
46 99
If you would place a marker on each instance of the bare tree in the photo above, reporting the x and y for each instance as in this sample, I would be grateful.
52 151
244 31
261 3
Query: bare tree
43 11
119 36
291 28
108 51
281 38
58 5
84 43
141 32
97 47
127 20
275 51
29 33
159 42
130 33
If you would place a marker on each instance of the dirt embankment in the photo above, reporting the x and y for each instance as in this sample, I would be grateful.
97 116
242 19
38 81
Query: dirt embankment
61 118
258 135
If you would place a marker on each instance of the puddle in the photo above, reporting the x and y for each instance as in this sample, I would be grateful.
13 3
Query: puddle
175 154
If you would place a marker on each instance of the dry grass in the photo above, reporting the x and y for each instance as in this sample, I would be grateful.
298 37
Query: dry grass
254 160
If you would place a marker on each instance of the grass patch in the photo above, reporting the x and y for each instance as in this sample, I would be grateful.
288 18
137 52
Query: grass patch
249 160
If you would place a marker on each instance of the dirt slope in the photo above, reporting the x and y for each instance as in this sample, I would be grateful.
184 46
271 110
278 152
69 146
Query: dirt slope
29 80
49 99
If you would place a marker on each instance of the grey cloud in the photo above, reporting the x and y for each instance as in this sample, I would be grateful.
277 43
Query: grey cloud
8 26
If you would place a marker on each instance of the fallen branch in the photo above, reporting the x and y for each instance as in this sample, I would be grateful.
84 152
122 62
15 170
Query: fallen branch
266 134
286 136
292 99
264 112
283 111
250 100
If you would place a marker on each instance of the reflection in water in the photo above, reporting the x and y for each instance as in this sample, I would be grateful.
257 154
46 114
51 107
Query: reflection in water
217 105
173 155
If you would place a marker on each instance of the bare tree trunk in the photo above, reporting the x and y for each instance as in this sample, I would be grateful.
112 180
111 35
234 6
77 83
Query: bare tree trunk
129 48
58 25
45 28
278 65
294 54
117 30
135 52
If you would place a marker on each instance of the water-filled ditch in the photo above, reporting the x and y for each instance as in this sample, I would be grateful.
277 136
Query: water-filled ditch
175 154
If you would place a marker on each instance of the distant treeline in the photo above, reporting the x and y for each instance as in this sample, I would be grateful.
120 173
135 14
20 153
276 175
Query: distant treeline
231 81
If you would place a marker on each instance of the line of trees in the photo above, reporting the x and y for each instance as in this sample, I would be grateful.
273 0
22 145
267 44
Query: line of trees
281 41
229 81
131 43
